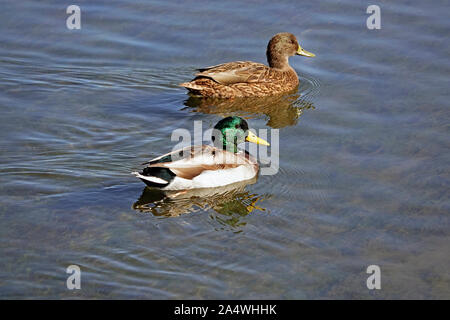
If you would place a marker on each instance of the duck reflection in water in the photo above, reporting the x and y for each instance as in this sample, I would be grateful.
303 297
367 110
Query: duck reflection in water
228 205
281 110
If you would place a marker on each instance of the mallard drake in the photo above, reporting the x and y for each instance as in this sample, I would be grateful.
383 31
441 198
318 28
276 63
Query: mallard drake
206 166
251 79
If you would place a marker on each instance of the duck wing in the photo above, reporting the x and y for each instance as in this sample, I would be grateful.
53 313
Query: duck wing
190 162
236 72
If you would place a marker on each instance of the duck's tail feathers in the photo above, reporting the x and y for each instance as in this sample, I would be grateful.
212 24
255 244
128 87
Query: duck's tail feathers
155 176
191 86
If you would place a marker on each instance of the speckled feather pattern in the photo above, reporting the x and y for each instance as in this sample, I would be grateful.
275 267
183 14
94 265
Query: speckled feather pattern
250 79
258 80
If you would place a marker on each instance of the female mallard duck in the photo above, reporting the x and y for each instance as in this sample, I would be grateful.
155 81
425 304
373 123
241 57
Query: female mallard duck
206 166
251 79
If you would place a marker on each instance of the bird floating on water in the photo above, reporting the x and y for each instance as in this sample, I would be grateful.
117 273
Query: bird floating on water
252 79
206 166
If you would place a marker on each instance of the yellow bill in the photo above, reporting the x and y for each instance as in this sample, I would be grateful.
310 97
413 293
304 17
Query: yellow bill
251 137
303 52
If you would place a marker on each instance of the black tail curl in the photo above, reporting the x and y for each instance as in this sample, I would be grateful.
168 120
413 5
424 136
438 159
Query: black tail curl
162 173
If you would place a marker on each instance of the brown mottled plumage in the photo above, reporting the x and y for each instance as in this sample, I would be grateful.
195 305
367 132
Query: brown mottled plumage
251 79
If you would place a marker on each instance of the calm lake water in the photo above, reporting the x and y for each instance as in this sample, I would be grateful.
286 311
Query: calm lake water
364 152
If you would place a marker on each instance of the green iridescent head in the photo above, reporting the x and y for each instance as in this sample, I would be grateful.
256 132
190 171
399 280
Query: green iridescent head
231 131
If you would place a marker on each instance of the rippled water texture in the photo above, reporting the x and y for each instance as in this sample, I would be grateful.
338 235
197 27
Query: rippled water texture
364 152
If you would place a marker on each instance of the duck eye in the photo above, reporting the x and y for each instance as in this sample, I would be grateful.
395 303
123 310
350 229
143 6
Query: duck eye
237 126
